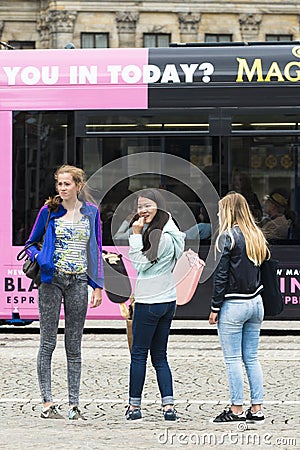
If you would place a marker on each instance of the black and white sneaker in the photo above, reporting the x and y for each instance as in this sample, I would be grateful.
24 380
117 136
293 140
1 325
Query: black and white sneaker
133 414
227 416
51 413
170 414
255 417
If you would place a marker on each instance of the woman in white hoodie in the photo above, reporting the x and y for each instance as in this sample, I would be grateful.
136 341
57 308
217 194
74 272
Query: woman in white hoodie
155 245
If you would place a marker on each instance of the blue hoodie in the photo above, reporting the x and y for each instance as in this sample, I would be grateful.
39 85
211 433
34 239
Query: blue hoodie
155 281
45 255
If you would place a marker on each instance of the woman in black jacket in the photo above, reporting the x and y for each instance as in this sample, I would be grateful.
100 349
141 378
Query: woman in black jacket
237 306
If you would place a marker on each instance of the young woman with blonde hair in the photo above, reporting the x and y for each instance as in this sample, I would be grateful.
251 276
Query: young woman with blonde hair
237 306
70 260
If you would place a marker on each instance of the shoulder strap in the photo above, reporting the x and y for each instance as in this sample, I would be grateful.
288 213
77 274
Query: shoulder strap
48 218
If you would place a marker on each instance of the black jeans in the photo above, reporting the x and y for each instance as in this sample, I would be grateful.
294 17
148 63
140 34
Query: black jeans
73 290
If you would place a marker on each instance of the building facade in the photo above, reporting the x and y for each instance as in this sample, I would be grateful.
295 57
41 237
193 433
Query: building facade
46 24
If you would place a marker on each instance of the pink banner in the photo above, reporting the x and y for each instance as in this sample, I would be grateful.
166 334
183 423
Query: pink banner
74 79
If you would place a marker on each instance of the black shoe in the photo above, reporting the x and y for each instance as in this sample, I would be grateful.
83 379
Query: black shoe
133 414
255 417
170 414
227 416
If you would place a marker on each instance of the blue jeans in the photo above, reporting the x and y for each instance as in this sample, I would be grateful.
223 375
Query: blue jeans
150 331
73 290
239 326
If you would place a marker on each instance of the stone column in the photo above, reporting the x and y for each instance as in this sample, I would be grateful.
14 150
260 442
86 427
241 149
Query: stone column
61 27
1 28
43 30
249 26
126 25
188 26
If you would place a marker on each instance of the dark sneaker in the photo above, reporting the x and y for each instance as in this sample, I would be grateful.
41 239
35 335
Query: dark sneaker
51 413
75 414
170 414
133 414
227 416
255 417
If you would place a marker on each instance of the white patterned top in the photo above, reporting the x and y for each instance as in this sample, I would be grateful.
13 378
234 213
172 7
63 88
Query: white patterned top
70 253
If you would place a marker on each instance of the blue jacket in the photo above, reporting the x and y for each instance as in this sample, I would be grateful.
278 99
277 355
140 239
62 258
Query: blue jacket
45 255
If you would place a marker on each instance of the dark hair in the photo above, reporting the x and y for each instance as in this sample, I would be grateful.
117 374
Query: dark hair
152 234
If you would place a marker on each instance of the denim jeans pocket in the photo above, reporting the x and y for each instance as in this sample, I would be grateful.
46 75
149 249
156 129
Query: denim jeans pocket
161 309
237 311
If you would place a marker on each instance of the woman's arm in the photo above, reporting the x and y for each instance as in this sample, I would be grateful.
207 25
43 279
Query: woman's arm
139 261
96 298
221 277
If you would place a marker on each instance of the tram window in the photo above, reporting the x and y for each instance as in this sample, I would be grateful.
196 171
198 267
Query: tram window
39 147
263 169
265 120
95 123
99 151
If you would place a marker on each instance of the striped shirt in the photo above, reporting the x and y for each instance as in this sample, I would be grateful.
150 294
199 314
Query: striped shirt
70 255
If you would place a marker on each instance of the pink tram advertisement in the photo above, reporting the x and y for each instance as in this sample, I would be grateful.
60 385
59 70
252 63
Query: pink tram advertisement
220 111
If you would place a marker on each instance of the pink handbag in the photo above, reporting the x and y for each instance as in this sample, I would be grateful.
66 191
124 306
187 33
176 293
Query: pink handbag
187 273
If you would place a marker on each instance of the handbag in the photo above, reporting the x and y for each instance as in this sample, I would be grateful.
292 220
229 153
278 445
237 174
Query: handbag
271 295
116 281
31 268
187 273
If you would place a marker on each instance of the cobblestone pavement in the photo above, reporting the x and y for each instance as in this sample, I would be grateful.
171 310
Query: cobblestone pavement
201 392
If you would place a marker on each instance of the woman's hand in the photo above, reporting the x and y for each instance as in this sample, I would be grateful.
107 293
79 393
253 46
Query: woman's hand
96 298
213 318
138 225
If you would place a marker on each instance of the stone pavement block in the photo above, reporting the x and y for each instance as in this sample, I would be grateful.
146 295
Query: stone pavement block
201 392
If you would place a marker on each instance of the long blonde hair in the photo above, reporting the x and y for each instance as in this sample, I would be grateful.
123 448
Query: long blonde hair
234 210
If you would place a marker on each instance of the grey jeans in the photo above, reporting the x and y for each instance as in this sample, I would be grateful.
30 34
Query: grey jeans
72 289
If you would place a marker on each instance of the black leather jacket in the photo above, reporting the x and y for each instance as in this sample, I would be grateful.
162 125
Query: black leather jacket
236 277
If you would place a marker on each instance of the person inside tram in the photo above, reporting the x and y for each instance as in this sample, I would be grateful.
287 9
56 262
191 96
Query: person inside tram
124 229
241 183
201 230
279 218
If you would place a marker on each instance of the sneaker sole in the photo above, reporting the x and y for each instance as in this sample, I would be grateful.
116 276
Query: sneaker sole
134 420
52 418
257 422
230 422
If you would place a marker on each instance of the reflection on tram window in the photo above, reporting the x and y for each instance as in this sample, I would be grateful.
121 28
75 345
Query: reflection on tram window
267 165
241 183
202 229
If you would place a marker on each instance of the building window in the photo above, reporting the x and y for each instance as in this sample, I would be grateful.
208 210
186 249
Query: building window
22 45
156 40
218 37
279 37
94 40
